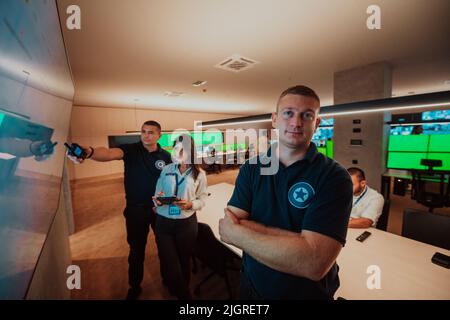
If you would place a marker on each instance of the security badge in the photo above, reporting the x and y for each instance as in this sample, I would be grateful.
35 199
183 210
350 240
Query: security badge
301 194
160 164
174 210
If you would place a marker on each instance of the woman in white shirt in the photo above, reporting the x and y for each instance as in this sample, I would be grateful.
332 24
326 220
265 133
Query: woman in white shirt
176 224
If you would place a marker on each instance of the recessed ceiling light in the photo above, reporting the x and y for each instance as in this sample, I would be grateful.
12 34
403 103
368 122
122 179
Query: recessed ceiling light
173 93
199 83
447 82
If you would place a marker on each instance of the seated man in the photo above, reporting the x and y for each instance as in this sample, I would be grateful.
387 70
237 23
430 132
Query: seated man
367 202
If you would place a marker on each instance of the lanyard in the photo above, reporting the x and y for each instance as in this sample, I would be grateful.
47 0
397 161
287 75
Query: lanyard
360 197
178 183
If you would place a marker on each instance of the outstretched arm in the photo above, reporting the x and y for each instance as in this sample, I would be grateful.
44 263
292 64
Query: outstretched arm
106 154
101 154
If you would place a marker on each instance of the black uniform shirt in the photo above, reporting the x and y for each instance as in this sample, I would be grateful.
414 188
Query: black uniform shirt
142 170
314 194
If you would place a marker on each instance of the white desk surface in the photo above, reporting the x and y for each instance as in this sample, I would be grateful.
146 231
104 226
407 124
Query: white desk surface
213 209
405 264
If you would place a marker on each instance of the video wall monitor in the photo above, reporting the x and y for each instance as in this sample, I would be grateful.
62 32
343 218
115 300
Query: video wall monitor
411 143
323 137
406 151
326 150
322 150
439 143
444 157
200 139
406 160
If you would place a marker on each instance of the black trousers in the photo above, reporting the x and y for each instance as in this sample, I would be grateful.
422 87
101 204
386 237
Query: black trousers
138 219
176 239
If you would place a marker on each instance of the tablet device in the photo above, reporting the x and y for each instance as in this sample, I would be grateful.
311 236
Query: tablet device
166 200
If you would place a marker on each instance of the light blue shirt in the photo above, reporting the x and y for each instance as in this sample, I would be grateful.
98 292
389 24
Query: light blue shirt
188 189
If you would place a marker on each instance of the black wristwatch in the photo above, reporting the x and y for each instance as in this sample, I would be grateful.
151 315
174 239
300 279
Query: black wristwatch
91 154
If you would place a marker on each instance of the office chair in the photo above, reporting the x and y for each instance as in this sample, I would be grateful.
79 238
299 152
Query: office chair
383 219
213 254
421 191
422 226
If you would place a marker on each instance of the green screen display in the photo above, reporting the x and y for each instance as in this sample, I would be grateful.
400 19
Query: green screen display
406 160
327 150
439 143
200 138
329 147
414 143
445 157
405 152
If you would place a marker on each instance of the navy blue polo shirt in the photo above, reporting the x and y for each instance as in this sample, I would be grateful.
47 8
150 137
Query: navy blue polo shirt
142 170
314 194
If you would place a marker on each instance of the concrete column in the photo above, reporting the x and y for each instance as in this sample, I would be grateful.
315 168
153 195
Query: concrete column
363 83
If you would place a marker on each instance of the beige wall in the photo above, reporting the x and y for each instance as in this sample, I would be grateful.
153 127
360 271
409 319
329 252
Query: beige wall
91 126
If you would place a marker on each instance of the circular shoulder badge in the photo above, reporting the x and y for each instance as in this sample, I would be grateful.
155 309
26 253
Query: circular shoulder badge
160 164
301 195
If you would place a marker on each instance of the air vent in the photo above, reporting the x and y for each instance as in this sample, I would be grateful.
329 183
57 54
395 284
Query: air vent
173 94
236 63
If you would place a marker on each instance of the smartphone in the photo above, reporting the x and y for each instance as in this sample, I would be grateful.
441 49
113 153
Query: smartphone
76 150
167 200
363 236
441 260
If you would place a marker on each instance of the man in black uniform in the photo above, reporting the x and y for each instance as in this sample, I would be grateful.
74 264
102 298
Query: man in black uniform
292 223
143 163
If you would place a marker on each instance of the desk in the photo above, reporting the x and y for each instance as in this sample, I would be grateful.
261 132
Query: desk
213 210
405 264
406 268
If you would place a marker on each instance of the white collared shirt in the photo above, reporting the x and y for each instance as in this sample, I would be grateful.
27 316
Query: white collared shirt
369 204
188 189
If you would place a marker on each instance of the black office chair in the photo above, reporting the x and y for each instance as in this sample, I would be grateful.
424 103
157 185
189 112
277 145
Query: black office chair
213 254
426 227
383 219
424 180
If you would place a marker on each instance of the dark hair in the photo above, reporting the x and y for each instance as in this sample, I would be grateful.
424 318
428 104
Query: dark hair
152 123
187 139
300 91
417 130
358 172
